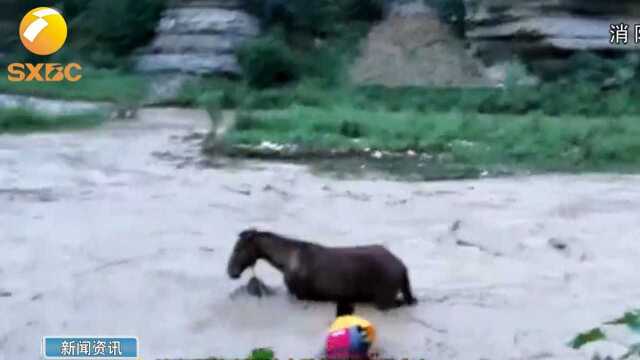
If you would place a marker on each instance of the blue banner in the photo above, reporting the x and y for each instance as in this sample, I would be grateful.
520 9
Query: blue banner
90 347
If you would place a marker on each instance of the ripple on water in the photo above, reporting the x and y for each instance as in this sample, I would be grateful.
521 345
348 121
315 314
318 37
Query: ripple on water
31 195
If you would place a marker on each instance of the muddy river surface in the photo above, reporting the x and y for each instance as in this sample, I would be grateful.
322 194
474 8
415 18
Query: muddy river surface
124 230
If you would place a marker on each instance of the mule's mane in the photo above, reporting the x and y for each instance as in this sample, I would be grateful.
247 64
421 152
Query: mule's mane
279 250
285 239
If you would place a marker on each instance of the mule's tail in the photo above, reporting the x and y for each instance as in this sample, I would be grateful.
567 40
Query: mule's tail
406 290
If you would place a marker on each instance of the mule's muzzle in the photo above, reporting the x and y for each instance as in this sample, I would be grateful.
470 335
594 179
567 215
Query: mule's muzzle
233 272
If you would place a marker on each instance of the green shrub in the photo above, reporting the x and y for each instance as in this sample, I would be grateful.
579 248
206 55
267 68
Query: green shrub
322 34
326 64
598 70
12 12
101 32
103 58
350 129
364 10
269 99
317 17
589 67
452 12
313 17
117 26
267 62
300 94
73 8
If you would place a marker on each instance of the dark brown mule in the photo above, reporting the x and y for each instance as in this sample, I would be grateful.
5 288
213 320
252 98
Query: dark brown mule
316 272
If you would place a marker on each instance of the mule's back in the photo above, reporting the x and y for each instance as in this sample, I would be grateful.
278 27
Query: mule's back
353 273
371 253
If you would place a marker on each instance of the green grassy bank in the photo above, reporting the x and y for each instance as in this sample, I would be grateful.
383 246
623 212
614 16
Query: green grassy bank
95 85
533 141
22 121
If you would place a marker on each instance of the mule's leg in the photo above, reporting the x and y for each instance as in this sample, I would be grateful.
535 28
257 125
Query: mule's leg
386 300
400 301
406 290
292 287
344 308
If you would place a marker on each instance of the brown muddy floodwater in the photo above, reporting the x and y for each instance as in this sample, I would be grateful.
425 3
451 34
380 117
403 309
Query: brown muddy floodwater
124 230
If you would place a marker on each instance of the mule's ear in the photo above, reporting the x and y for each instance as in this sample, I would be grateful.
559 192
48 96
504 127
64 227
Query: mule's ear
248 234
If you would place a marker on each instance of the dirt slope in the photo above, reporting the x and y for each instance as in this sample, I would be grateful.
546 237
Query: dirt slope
415 49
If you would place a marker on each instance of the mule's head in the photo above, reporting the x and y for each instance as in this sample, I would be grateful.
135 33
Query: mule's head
245 253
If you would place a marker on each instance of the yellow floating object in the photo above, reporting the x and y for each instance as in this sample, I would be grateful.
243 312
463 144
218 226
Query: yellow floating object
348 321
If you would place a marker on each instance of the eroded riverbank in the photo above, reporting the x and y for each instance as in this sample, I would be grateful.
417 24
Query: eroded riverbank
125 229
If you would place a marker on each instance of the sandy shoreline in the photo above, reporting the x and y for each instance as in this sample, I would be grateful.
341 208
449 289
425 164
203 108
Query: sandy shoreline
117 230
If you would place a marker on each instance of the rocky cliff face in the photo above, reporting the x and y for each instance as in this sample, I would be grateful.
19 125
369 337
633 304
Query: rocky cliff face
199 37
537 29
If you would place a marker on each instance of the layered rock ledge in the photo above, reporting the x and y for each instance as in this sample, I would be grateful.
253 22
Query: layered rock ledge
499 29
199 37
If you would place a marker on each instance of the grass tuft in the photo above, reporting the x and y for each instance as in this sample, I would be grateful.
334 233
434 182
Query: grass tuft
587 337
261 354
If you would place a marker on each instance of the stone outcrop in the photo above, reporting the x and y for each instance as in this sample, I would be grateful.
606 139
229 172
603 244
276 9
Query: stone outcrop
499 29
199 37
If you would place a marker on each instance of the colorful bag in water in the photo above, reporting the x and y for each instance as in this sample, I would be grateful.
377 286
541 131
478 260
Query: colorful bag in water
350 337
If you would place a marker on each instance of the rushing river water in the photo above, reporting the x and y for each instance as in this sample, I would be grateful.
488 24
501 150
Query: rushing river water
126 230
